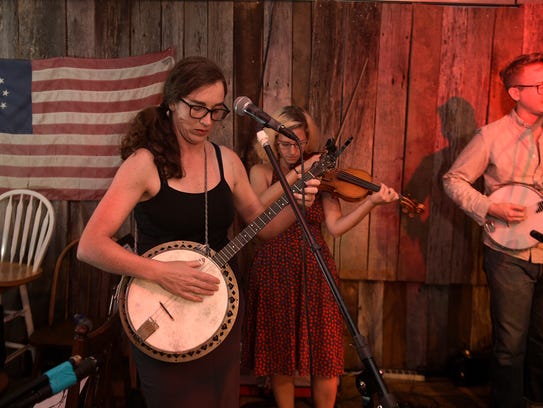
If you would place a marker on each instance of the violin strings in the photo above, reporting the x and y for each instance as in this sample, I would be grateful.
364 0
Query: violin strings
343 175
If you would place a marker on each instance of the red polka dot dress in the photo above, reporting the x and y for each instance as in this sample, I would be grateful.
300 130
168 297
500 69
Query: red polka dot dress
293 324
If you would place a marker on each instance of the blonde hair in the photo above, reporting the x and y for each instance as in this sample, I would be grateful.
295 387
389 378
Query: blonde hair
293 117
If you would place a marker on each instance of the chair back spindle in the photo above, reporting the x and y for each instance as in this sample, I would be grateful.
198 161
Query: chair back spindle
27 229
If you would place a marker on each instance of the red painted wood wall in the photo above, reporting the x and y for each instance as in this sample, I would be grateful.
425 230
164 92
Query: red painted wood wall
409 81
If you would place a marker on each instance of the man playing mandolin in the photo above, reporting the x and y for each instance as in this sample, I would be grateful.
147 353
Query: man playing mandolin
507 153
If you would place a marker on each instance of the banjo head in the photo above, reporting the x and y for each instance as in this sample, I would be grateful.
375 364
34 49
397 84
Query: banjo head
171 328
516 236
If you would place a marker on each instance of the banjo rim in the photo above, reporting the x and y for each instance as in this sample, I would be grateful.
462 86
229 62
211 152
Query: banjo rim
201 349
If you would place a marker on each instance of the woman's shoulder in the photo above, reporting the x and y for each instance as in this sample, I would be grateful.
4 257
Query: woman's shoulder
141 160
226 151
261 174
141 155
230 158
261 168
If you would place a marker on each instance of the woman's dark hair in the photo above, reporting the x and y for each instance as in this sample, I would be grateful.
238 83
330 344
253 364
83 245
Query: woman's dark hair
152 127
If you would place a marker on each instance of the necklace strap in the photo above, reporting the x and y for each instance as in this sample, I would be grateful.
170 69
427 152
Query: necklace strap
206 231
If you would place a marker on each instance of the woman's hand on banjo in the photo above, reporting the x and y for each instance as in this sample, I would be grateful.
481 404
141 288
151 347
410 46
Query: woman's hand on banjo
186 279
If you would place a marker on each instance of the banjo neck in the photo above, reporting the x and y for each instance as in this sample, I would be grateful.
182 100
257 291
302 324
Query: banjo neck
326 162
222 257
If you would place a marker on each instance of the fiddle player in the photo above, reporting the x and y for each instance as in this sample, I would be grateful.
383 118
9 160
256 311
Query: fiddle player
289 330
509 151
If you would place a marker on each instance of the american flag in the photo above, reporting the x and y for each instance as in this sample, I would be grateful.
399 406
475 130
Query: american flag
61 119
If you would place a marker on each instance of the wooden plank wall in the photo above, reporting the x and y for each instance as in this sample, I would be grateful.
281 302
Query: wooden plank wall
410 83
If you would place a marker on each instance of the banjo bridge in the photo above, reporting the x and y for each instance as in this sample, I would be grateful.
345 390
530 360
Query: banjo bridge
148 327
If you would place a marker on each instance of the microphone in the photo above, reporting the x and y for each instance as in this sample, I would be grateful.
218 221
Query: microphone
244 106
537 235
51 382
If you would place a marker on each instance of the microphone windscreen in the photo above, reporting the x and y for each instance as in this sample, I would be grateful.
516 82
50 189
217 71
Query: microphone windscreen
240 104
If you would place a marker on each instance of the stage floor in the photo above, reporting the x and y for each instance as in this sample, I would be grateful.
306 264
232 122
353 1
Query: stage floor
439 392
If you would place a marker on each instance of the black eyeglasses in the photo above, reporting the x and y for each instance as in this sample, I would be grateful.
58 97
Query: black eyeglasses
538 86
199 111
287 145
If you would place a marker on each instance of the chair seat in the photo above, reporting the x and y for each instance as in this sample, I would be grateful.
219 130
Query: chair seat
14 274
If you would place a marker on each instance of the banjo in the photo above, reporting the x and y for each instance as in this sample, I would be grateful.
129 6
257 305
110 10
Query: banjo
522 235
173 329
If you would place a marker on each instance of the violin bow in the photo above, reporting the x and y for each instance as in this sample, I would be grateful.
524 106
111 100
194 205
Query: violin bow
342 124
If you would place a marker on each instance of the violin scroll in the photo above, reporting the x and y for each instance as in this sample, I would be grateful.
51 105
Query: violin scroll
411 207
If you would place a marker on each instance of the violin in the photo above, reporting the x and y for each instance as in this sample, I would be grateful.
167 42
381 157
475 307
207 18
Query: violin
354 185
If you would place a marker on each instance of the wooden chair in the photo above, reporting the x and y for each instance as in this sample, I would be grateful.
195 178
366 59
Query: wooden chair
28 223
82 321
102 343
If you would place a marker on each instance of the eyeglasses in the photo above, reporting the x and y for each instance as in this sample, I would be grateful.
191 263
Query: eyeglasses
199 111
538 86
287 145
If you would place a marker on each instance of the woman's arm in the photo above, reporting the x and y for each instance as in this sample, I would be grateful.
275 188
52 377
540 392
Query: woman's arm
260 177
136 180
337 223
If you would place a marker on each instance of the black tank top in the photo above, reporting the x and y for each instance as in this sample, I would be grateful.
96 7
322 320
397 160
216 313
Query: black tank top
173 215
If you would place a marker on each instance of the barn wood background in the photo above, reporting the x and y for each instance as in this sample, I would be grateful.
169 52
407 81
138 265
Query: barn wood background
410 82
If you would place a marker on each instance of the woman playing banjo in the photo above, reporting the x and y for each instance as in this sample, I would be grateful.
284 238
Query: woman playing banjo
181 187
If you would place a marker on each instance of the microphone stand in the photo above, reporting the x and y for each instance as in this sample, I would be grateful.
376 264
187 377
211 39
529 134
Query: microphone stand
363 384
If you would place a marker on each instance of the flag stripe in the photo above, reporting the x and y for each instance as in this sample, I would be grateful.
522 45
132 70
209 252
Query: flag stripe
77 118
68 160
106 97
102 85
58 139
97 64
56 150
52 171
60 182
76 129
93 107
81 107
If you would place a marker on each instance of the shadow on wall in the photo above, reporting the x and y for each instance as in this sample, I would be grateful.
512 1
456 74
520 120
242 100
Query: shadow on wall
458 125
